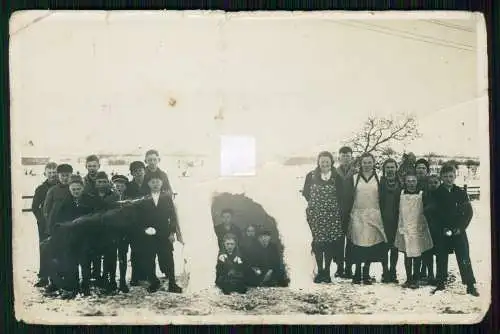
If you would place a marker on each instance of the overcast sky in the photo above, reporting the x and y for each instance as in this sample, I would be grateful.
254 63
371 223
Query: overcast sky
81 83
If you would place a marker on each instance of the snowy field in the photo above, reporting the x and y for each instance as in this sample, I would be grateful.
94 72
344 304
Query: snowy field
277 188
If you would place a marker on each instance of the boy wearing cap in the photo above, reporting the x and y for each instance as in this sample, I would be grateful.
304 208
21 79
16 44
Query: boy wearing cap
451 219
120 242
104 199
57 194
37 209
137 188
92 165
156 234
152 160
227 227
266 268
422 171
66 247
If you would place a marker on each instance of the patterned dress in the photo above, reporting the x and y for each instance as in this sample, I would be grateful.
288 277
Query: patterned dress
413 236
324 211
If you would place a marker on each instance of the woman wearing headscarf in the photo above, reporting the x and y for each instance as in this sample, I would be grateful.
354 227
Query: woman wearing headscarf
321 190
366 229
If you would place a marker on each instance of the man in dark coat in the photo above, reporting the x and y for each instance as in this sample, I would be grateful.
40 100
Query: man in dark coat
156 231
57 194
452 218
37 209
104 199
136 188
390 193
67 251
346 170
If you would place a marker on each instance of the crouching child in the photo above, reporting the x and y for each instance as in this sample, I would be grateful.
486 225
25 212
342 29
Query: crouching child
230 268
265 266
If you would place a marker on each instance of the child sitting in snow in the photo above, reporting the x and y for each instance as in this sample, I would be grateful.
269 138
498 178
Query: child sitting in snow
413 236
230 268
265 267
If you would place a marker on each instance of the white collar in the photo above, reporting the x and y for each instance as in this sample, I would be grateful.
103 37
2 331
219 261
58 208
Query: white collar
326 176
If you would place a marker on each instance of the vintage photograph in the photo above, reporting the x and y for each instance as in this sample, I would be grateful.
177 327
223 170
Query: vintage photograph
197 167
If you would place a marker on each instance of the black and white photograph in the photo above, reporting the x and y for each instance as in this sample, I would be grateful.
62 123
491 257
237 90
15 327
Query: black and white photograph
206 167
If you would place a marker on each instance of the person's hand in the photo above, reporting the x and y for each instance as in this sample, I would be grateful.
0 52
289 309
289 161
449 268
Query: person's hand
257 271
222 257
171 238
150 231
237 260
447 232
267 277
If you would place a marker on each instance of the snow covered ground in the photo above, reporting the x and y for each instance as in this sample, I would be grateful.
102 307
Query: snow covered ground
277 188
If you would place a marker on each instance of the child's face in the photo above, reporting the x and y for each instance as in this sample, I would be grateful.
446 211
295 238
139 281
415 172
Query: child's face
120 187
264 240
155 185
51 174
434 183
152 161
390 170
367 164
226 218
449 178
345 158
64 177
138 173
250 231
230 245
92 167
421 171
325 164
76 190
411 183
101 184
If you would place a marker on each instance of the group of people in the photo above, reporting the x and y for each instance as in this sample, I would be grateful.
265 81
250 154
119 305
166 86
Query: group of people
249 259
89 223
358 218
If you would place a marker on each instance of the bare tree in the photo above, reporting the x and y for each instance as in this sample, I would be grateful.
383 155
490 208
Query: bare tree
378 134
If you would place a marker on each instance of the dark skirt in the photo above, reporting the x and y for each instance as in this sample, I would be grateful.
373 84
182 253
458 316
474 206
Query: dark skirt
375 253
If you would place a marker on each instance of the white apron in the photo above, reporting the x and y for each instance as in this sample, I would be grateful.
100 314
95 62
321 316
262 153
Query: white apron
366 227
413 236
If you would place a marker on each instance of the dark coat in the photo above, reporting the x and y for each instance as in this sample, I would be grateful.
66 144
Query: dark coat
166 183
453 208
38 201
389 207
55 196
135 191
265 258
88 184
161 217
228 271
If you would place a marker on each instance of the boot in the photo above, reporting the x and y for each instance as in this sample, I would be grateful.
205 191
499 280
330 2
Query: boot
356 278
71 294
366 277
319 277
392 276
123 286
326 276
174 288
42 282
439 287
154 286
85 289
471 290
340 271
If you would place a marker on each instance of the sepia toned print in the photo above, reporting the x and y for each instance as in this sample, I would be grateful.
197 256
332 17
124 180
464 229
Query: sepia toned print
207 167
